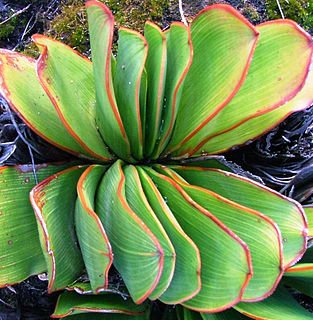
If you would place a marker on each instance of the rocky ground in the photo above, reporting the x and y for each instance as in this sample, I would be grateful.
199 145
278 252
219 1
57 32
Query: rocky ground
282 158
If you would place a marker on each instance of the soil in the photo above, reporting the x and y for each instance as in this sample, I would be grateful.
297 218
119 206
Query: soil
283 158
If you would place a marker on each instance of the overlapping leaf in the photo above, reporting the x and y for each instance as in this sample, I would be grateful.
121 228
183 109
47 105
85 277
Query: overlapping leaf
72 92
70 304
287 213
55 219
93 241
20 252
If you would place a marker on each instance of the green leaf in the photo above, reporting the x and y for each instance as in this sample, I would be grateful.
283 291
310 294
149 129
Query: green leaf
131 57
258 231
186 281
93 241
229 314
287 213
226 265
186 314
68 86
138 255
179 59
156 72
278 306
139 204
101 25
20 251
300 277
71 303
17 73
309 214
255 127
223 43
55 220
277 73
143 101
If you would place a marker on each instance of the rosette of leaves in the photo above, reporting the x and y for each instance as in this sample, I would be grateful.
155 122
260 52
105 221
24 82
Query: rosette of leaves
189 235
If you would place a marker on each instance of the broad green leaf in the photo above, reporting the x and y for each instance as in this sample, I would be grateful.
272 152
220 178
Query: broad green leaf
179 59
71 303
107 316
93 241
257 126
55 220
258 231
277 73
143 101
101 25
286 213
17 73
20 251
186 281
67 78
223 43
309 214
131 57
139 204
186 314
80 287
138 255
278 306
308 255
225 258
214 161
229 314
156 72
300 277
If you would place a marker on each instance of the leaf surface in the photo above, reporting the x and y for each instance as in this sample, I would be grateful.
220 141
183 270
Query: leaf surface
17 72
277 73
71 303
108 118
131 57
179 59
309 214
19 257
229 314
278 306
262 123
156 65
186 281
93 241
139 204
226 265
300 277
258 231
138 255
53 201
71 89
223 43
287 213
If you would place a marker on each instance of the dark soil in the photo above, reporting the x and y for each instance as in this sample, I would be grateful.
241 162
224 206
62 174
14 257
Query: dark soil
283 158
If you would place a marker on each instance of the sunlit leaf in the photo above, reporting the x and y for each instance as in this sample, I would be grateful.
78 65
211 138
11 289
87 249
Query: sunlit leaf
93 241
20 252
55 220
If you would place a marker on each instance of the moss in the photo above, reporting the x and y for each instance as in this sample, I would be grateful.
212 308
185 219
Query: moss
300 11
134 14
70 26
7 28
250 12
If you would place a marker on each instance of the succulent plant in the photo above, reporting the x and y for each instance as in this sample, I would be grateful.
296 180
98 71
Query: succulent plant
186 232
